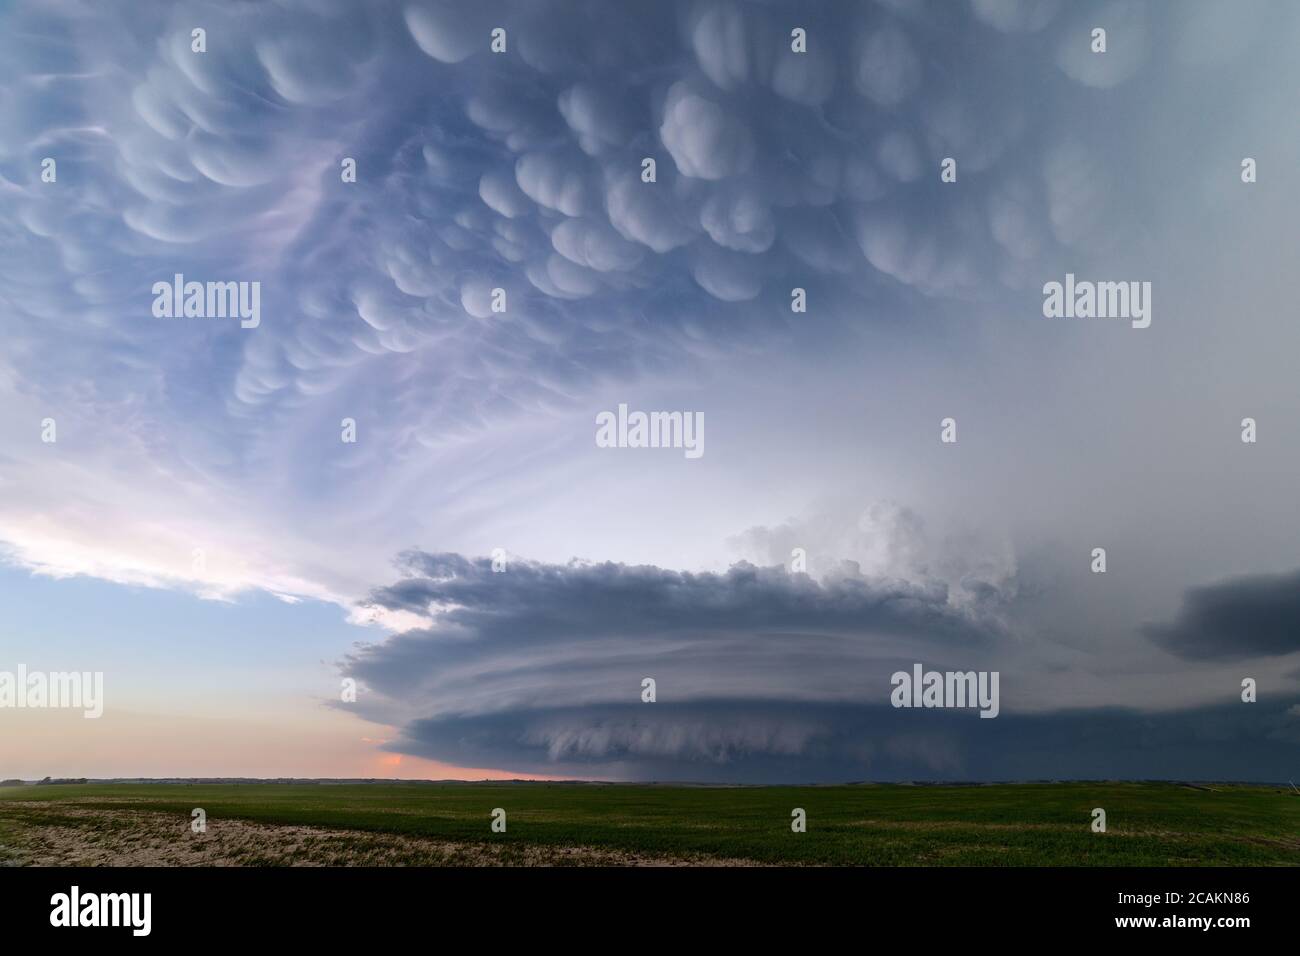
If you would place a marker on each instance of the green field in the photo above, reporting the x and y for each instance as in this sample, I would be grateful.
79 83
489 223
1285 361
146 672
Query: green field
1148 824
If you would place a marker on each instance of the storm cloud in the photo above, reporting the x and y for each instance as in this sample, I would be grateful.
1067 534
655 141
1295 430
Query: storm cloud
520 172
537 634
548 660
760 674
761 741
1252 616
499 273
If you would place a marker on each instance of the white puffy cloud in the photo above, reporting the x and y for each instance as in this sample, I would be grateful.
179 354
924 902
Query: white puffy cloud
729 276
719 38
886 69
898 155
448 32
1125 24
647 213
1016 16
596 118
704 140
554 181
501 192
595 245
739 219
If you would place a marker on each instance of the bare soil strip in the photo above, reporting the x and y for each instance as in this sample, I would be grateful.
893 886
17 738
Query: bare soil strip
55 834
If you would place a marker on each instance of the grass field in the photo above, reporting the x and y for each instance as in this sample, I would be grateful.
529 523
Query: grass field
1148 824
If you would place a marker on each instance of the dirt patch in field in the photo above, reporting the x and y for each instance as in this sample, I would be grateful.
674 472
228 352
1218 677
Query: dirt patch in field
54 834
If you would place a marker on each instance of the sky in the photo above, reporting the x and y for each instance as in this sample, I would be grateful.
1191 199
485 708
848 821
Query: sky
392 477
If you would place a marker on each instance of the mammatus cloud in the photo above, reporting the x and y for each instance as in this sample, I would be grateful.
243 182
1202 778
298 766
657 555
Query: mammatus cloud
479 171
1252 616
499 272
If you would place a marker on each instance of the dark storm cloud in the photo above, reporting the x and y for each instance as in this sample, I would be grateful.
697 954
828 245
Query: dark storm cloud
583 599
761 675
766 741
549 659
1256 616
